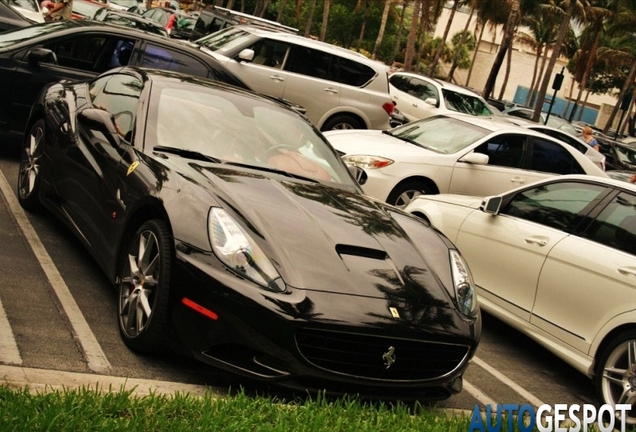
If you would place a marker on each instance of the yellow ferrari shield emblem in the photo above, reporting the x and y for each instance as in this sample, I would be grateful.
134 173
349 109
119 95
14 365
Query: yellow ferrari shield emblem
132 167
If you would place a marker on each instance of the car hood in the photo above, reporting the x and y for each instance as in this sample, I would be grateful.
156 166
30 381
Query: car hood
375 143
328 239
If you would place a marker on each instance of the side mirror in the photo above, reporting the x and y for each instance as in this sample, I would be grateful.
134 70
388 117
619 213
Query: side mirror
41 55
246 55
98 120
491 205
475 158
431 101
358 174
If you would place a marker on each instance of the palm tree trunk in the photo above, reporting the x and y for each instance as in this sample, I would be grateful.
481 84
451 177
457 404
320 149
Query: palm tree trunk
506 43
556 52
281 9
534 73
587 95
565 112
410 41
449 78
385 18
507 75
442 45
310 18
325 19
628 83
365 17
472 63
398 38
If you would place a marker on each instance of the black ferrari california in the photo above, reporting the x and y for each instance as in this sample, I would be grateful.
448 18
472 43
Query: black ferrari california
233 231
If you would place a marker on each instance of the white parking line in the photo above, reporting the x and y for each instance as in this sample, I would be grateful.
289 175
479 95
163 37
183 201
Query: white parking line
9 352
481 397
529 397
95 357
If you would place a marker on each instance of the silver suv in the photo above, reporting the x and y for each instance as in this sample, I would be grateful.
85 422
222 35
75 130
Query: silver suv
339 88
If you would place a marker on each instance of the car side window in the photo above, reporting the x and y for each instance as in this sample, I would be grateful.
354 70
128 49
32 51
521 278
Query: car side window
423 90
504 150
157 57
119 95
351 72
550 157
88 53
270 53
565 138
310 62
555 204
615 226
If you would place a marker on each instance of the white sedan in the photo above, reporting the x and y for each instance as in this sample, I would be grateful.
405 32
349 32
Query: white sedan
556 260
455 153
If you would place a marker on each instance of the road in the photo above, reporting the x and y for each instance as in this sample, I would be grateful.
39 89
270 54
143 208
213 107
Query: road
58 312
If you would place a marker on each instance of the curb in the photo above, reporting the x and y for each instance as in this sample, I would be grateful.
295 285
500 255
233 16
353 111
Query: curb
41 380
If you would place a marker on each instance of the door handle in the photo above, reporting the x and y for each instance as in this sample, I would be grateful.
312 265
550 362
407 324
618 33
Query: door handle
276 78
539 241
519 180
627 271
331 90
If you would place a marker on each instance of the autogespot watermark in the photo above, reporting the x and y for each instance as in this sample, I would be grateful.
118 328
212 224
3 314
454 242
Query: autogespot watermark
548 418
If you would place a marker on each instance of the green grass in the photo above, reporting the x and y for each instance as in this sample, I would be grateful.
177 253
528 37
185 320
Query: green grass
92 410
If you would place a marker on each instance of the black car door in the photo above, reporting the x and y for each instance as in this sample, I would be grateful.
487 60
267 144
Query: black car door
79 57
93 191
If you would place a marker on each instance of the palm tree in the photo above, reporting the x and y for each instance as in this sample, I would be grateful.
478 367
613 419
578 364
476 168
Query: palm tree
325 19
440 49
540 38
410 40
597 17
385 18
567 9
622 50
506 44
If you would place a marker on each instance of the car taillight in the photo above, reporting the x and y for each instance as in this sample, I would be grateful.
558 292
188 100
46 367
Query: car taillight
388 107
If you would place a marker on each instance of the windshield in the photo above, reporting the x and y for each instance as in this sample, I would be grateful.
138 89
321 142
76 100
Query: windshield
626 154
238 128
225 40
440 134
466 104
31 5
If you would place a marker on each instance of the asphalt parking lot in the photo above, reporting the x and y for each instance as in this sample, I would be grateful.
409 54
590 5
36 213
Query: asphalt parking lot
58 316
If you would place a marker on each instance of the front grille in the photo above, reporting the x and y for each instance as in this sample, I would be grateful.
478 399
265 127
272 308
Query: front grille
361 355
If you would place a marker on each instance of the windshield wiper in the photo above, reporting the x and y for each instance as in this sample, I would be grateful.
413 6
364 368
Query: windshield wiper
190 154
400 137
272 170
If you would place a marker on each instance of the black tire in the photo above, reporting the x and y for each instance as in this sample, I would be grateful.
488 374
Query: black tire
342 121
406 192
30 167
144 288
615 377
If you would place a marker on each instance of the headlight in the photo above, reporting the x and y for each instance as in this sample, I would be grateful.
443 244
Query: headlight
463 284
367 162
238 251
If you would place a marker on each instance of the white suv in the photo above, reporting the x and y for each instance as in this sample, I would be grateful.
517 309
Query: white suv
339 88
418 97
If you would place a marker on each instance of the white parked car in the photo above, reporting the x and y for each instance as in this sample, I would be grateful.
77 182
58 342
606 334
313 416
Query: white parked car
29 8
455 154
418 97
339 88
557 260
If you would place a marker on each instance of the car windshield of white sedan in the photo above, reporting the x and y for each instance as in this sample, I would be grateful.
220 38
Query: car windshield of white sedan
626 154
466 104
440 134
30 5
240 129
